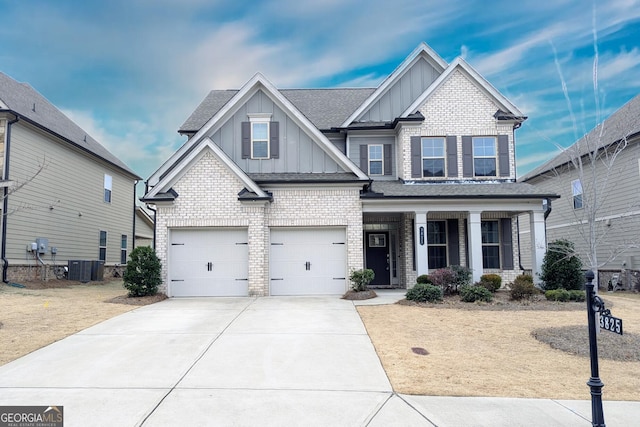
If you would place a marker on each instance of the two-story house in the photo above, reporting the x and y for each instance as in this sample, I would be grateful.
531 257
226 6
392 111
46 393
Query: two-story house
65 197
597 178
286 191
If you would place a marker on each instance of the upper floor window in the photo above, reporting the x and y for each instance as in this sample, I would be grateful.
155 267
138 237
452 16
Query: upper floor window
376 160
484 156
433 154
107 188
260 139
576 190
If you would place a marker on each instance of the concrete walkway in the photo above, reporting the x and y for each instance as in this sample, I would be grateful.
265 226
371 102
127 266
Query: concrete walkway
299 361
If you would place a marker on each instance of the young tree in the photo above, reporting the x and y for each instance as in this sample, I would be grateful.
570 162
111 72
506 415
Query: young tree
559 270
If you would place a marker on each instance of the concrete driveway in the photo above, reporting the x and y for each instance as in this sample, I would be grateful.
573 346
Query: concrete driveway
241 361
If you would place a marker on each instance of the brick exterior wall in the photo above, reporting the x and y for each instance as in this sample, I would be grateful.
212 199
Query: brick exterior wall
208 197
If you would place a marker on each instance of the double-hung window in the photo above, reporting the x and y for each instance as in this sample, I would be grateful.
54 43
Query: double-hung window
107 188
123 249
102 246
484 156
376 159
490 244
576 190
437 244
260 138
432 157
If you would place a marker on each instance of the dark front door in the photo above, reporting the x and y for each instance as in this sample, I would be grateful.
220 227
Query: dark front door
377 253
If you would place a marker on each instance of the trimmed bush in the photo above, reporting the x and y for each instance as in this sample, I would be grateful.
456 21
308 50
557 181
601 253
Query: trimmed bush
463 276
142 275
445 279
360 279
424 278
492 282
577 296
523 287
561 295
475 293
561 269
423 292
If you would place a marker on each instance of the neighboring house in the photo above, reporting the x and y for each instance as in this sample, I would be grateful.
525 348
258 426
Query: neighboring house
144 228
286 191
77 202
617 219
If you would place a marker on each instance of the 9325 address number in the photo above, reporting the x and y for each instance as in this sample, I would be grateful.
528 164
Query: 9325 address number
610 323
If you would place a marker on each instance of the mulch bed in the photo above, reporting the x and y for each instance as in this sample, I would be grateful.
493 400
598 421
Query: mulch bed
358 296
126 299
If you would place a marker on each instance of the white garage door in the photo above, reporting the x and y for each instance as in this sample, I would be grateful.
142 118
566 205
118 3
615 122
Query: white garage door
308 261
208 262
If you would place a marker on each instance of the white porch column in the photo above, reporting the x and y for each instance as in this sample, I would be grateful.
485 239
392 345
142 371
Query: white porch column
422 264
475 246
538 243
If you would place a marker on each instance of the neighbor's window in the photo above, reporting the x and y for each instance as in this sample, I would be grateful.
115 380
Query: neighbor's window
432 157
490 244
102 247
576 190
107 188
123 249
376 160
484 156
260 139
437 244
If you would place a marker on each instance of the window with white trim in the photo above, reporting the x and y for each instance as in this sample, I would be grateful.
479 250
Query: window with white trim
490 231
123 249
376 159
576 191
432 157
484 156
260 137
102 246
437 244
107 188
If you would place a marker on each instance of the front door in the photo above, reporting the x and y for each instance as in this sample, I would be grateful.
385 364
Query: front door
377 254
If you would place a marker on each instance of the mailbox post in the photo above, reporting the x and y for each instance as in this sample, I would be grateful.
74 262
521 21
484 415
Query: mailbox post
597 415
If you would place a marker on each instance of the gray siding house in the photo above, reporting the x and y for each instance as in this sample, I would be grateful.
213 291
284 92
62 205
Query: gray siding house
603 198
62 190
286 191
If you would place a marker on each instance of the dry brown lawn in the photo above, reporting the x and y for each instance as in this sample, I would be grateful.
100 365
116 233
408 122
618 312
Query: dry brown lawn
33 318
493 353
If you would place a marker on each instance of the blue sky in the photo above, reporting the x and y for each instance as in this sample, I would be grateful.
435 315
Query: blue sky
131 71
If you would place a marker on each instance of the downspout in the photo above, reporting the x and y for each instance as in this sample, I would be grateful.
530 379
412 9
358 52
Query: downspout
519 253
133 246
548 210
5 201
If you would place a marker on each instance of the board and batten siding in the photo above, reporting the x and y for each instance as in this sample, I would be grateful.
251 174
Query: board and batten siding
298 153
65 202
355 142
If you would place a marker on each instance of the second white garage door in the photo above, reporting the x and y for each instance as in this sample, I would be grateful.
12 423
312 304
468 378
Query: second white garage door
309 261
208 262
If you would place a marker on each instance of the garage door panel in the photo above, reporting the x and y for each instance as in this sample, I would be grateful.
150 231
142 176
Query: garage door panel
308 261
209 262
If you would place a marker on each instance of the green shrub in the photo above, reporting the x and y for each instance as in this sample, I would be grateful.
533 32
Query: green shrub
475 293
445 278
424 278
577 296
142 275
462 275
561 295
522 287
360 279
561 269
492 282
423 292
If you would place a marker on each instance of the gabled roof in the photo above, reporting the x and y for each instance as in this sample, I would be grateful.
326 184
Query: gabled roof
325 108
29 105
624 123
256 83
422 51
506 106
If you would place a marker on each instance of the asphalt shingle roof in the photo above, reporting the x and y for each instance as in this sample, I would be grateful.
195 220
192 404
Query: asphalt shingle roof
325 108
27 102
624 123
471 190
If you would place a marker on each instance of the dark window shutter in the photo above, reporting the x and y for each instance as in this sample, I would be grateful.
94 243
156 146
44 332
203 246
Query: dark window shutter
416 157
387 159
274 140
246 140
503 154
452 156
364 158
467 157
506 243
453 242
